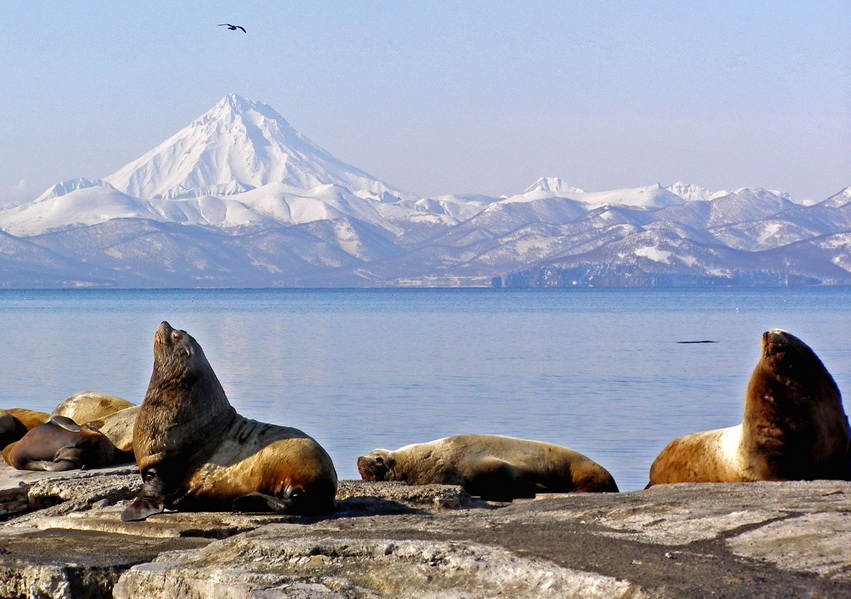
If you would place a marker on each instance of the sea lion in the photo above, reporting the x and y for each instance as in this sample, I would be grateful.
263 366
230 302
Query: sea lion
492 467
118 427
59 444
89 405
794 426
15 422
196 453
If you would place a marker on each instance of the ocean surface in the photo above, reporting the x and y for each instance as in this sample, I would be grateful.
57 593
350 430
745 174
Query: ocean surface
599 371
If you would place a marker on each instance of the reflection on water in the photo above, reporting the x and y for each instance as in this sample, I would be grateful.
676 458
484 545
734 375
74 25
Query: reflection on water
595 370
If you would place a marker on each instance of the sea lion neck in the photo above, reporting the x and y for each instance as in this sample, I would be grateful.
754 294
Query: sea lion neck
184 386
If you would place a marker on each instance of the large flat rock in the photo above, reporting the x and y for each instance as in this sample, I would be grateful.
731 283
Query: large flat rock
390 540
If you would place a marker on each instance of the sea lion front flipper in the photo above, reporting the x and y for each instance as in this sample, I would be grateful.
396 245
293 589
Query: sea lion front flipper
260 502
66 423
149 501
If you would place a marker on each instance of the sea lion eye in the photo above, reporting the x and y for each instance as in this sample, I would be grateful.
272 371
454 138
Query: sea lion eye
379 460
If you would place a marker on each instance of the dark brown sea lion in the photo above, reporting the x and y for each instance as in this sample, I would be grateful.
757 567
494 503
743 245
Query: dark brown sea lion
196 453
794 426
89 405
15 422
490 466
59 444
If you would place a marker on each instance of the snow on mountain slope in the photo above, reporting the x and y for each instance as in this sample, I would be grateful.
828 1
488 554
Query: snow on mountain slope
843 198
652 197
546 187
82 202
74 203
236 146
747 204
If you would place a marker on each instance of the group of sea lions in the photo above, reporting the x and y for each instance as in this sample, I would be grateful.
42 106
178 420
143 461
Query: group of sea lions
194 452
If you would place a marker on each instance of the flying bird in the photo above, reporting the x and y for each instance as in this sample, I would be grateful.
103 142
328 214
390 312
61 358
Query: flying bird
233 27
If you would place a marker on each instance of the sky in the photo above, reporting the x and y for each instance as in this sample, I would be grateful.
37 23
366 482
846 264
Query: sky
445 97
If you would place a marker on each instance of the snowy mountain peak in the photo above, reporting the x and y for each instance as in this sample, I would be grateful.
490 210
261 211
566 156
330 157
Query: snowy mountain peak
553 186
840 199
236 146
694 193
60 189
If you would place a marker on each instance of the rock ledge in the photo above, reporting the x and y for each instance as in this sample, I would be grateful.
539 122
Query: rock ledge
62 537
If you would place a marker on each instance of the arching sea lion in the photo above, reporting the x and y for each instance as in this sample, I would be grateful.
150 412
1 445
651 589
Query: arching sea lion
794 426
90 405
59 444
490 466
196 453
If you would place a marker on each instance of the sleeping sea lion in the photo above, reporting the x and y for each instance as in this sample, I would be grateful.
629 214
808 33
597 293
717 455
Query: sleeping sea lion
59 444
490 466
196 453
15 422
794 426
90 405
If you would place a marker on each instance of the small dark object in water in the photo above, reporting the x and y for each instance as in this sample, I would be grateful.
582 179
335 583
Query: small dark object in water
701 341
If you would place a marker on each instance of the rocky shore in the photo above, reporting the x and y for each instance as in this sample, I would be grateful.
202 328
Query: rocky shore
61 536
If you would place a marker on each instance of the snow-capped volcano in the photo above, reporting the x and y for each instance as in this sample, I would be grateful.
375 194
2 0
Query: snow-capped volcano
240 198
237 146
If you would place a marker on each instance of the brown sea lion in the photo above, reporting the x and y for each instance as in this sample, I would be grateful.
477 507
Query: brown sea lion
196 453
89 405
794 426
489 466
59 444
15 422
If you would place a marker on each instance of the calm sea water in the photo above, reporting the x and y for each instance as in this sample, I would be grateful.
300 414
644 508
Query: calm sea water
599 371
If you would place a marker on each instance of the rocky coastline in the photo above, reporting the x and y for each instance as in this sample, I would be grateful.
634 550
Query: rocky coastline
61 536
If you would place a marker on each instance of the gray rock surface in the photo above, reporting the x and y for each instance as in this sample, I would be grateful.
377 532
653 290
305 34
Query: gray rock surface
62 537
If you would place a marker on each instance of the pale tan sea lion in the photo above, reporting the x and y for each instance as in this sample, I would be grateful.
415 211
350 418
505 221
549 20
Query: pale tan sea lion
794 426
89 405
118 427
59 444
196 453
15 422
489 466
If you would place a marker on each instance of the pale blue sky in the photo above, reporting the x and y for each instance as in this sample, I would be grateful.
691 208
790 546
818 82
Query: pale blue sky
445 97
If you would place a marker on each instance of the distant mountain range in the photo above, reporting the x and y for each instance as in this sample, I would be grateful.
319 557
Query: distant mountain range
239 198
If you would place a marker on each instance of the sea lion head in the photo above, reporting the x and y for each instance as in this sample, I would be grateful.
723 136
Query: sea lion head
183 375
789 372
377 465
176 353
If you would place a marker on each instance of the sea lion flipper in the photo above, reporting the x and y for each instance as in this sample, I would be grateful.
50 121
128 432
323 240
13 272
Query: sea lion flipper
47 465
261 502
149 501
66 423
